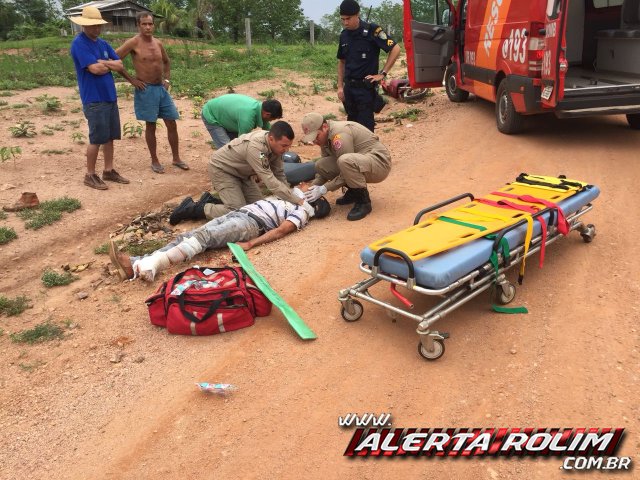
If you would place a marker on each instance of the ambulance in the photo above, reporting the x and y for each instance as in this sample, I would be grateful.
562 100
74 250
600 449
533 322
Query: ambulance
570 57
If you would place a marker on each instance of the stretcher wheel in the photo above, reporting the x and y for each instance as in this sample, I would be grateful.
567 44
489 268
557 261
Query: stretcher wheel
589 233
504 294
438 350
358 309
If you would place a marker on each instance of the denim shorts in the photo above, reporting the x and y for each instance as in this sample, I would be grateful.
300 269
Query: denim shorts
154 102
104 122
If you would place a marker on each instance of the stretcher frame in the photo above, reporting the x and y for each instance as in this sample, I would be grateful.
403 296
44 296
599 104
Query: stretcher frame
431 344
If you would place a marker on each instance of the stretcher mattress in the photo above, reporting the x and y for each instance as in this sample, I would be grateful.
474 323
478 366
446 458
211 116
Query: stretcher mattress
442 269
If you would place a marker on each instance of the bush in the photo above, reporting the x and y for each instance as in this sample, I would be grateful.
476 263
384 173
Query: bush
40 333
51 278
7 234
12 307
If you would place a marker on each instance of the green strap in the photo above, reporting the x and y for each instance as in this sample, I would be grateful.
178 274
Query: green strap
502 248
464 224
509 309
301 328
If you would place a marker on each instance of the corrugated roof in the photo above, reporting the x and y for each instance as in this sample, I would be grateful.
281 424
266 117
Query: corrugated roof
102 5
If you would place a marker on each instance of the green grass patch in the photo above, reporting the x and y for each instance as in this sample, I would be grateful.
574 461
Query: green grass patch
144 247
3 216
20 105
6 94
48 212
13 306
44 332
51 278
409 113
102 249
197 68
3 103
7 234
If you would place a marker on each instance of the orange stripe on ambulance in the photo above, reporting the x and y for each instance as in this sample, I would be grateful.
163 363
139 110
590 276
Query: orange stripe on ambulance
491 25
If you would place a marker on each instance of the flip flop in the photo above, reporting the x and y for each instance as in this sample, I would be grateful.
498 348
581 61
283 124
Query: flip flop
157 168
181 165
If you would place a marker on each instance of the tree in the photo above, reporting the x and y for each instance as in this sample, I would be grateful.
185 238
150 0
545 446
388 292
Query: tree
228 16
389 16
331 24
277 18
9 19
169 15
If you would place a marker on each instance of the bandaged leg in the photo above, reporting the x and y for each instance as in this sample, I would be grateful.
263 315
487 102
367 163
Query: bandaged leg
146 268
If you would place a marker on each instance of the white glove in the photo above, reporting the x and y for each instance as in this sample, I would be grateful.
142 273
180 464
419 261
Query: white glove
309 209
315 192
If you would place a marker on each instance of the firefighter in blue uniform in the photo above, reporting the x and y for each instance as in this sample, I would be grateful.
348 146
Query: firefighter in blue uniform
358 61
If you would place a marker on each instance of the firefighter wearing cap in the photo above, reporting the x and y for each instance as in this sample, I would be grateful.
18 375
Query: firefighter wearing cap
352 157
358 61
234 170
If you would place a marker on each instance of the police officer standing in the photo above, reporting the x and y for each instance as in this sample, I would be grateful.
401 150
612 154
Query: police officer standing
358 60
352 156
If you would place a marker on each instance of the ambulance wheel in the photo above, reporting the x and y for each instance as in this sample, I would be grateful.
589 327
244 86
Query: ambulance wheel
507 119
454 93
589 233
504 294
438 350
414 94
357 312
634 120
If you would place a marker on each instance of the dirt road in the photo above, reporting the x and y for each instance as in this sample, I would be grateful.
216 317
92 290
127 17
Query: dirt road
68 412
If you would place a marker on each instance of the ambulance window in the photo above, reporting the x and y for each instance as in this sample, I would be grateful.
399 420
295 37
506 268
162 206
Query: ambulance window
553 8
607 3
428 11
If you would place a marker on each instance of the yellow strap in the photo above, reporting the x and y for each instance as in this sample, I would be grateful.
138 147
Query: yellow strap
527 241
483 215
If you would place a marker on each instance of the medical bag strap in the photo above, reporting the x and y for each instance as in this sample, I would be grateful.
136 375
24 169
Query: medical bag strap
523 208
212 309
563 225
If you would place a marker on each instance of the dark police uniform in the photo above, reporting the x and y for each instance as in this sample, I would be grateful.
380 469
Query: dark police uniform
360 49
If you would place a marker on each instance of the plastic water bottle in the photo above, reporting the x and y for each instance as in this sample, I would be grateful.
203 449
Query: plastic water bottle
219 388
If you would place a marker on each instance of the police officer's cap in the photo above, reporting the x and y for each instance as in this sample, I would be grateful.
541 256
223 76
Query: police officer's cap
349 7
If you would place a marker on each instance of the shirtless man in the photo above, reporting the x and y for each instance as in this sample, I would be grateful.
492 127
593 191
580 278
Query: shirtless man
152 80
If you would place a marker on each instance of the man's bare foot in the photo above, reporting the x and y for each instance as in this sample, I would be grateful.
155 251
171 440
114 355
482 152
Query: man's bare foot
121 261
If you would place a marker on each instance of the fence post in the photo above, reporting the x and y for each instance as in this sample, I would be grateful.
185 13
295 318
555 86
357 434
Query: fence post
312 32
247 31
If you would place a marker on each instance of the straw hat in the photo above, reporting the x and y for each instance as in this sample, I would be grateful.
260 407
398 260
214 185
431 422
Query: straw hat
90 16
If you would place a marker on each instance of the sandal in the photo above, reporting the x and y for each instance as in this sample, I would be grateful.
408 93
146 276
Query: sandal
181 165
157 168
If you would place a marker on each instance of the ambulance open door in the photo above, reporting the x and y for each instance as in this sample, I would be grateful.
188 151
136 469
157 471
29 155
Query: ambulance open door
428 40
554 62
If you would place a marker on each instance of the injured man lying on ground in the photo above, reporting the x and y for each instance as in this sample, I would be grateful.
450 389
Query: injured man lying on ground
254 224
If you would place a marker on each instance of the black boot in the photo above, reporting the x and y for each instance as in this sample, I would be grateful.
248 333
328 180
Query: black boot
362 208
206 197
187 210
348 197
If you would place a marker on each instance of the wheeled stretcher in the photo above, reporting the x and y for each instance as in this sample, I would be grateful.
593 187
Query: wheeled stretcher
460 253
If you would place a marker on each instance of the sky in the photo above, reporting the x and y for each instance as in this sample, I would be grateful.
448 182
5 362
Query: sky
315 9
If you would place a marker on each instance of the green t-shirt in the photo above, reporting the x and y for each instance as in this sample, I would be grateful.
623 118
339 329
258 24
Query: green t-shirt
235 113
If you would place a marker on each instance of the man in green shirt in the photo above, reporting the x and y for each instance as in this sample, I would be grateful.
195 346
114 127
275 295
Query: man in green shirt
228 116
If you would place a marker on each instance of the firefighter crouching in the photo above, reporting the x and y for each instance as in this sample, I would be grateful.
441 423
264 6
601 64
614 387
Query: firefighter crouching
352 156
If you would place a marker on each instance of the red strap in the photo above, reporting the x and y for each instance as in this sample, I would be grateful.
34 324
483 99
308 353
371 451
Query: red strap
523 208
562 224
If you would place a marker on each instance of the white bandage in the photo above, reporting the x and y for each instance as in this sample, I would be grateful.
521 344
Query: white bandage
298 193
308 208
190 247
147 267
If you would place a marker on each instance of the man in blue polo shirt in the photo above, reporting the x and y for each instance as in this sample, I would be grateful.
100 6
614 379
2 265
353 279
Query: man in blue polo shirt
94 60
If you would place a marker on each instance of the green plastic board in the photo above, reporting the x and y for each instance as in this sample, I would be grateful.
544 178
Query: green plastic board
301 328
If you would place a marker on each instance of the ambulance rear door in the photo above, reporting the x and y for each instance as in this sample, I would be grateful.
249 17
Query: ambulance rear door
554 62
428 40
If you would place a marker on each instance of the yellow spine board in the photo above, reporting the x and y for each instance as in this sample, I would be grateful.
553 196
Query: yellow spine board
432 235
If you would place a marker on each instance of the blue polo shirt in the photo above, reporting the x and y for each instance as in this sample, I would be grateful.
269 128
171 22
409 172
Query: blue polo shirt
85 52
